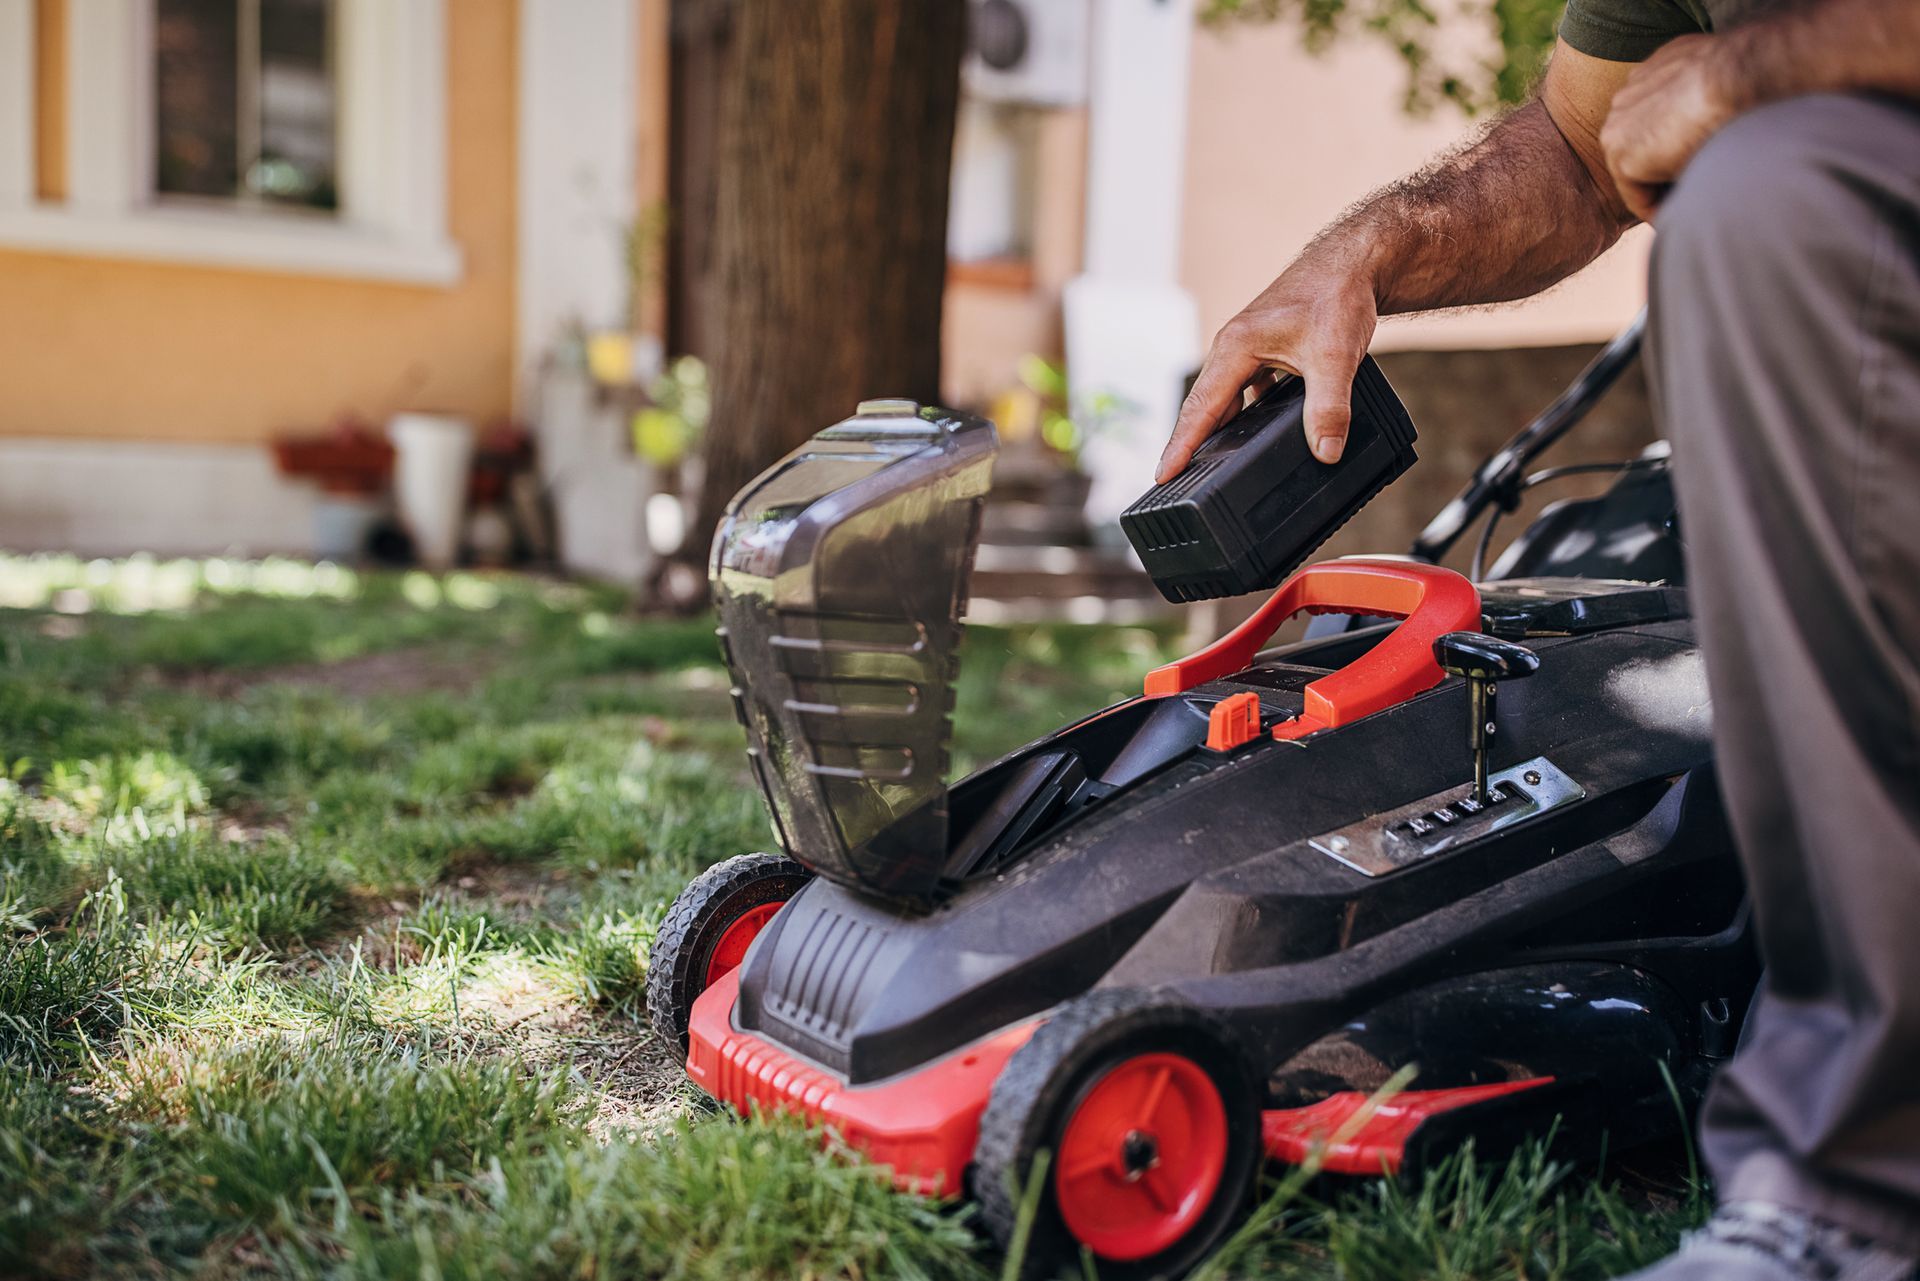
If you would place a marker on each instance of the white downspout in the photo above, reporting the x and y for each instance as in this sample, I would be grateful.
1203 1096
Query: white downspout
579 129
1132 333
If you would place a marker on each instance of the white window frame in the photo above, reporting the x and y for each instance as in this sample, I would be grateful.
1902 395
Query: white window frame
16 102
391 224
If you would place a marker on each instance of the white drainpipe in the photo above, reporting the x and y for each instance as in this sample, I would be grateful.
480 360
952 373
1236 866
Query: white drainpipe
1132 333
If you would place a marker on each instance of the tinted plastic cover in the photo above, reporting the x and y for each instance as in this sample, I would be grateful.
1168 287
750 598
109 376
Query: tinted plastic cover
839 576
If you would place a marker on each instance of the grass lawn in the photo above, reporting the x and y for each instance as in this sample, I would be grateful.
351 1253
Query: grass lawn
327 900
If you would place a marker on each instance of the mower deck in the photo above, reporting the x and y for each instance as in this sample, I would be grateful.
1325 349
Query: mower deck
923 1124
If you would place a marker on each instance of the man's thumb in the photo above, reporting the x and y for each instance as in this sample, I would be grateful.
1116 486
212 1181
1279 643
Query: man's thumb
1328 412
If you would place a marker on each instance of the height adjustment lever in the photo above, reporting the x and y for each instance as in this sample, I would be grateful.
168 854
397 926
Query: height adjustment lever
1483 661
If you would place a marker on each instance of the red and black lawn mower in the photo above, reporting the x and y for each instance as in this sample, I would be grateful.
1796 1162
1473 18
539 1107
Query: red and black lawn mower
1195 930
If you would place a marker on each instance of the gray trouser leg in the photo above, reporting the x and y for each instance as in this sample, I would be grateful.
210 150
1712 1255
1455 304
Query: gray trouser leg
1786 368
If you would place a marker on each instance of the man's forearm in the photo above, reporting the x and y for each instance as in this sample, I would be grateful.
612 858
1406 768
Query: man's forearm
1504 218
1827 46
1520 209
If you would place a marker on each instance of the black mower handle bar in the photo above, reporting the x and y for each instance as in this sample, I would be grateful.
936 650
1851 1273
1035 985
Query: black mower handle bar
1498 481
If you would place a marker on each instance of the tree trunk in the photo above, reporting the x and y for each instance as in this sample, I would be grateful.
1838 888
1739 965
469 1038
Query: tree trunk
700 31
834 151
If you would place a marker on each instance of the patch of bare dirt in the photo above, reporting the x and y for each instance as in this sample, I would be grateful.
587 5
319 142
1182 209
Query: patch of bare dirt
513 890
508 885
384 674
638 1083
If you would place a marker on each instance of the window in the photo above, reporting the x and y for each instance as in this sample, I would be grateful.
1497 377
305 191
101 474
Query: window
245 101
300 136
995 182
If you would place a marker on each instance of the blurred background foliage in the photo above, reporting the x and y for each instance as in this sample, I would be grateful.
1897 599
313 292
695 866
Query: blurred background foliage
1520 36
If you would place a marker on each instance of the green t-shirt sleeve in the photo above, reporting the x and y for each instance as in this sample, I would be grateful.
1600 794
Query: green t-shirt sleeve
1624 30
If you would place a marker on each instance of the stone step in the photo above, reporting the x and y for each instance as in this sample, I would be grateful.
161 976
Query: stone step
1034 524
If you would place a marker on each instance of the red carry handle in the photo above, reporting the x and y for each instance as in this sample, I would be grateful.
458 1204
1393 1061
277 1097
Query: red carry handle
1432 600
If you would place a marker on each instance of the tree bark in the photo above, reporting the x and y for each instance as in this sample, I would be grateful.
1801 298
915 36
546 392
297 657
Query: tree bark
834 152
700 32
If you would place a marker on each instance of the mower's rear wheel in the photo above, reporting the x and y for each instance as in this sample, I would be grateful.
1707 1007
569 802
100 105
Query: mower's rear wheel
707 931
1152 1121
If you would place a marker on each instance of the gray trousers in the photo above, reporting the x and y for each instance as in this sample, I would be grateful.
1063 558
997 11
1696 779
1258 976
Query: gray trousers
1785 358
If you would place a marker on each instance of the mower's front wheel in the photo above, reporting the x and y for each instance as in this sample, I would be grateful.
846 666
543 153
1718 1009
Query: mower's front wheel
1152 1120
707 931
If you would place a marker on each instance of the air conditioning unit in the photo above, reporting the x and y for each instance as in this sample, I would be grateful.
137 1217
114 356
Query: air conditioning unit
1028 51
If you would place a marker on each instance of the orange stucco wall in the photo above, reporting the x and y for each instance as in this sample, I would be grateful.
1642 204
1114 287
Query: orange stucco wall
124 349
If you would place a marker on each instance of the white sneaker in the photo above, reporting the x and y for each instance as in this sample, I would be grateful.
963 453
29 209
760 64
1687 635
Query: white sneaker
1758 1241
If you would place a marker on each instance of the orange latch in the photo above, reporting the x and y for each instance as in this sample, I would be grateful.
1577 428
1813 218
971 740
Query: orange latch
1234 720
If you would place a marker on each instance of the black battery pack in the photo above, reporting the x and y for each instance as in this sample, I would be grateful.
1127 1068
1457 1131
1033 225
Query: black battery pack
1254 502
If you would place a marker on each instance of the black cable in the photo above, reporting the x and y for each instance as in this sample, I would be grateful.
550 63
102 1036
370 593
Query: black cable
1486 540
1541 477
1546 474
1499 477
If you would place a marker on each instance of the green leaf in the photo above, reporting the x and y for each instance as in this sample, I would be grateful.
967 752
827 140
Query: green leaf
1522 30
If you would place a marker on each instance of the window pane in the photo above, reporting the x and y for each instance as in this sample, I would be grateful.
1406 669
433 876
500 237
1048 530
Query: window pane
245 103
297 104
197 97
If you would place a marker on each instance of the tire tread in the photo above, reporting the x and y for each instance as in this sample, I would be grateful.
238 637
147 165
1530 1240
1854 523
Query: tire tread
1038 1081
672 982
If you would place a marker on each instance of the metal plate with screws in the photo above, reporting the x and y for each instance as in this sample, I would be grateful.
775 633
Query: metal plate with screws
1435 824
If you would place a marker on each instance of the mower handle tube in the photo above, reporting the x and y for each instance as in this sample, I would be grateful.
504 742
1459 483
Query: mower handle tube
1433 601
1500 479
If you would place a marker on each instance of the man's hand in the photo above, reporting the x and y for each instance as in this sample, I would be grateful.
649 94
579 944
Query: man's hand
1669 106
1315 321
1675 100
1516 210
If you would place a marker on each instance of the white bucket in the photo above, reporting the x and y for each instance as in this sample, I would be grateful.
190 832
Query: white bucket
432 456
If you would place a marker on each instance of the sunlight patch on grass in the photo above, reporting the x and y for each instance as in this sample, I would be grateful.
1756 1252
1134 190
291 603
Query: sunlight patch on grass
506 991
155 789
144 820
140 584
458 976
217 996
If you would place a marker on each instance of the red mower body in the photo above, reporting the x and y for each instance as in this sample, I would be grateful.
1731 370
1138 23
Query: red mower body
1201 928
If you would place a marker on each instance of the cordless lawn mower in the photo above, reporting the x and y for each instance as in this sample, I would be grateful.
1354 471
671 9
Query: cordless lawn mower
1194 931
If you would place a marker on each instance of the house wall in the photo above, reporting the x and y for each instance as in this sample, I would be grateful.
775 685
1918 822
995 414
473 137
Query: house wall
991 321
98 348
1278 142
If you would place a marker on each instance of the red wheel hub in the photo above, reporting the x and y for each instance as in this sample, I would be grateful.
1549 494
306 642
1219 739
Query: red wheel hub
737 938
1141 1157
